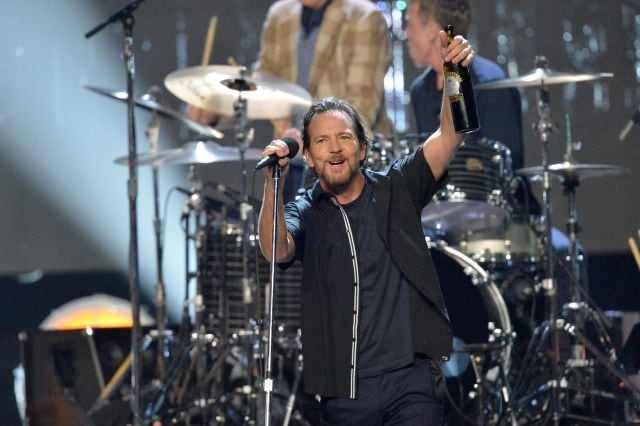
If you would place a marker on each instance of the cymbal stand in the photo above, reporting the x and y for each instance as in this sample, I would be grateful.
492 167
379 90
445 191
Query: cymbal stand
569 185
544 127
244 137
125 17
581 308
291 401
194 340
152 133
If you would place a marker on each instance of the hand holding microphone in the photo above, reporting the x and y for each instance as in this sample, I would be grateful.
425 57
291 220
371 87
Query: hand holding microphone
286 147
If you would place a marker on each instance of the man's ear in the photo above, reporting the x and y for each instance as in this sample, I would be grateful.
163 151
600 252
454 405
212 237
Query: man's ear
307 159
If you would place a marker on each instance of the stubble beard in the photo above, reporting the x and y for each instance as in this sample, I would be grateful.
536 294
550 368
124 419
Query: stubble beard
337 184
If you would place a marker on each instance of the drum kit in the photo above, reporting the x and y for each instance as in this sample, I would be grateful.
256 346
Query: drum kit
521 360
510 363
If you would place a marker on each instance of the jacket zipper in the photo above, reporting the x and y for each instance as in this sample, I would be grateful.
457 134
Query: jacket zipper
356 299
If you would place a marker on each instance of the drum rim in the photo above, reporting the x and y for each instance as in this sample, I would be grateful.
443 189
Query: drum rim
483 281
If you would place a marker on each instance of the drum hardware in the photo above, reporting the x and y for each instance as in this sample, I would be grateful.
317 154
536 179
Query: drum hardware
150 103
152 133
567 376
194 152
232 90
191 384
542 76
573 172
494 383
195 348
126 18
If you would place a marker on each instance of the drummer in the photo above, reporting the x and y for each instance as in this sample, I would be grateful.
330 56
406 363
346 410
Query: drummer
299 37
499 111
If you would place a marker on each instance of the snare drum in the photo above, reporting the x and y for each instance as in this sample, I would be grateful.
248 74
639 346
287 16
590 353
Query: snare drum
475 195
514 243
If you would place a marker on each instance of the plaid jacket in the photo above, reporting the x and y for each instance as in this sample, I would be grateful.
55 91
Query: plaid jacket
352 53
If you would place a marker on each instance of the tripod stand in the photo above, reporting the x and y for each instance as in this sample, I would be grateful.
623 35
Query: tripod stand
569 381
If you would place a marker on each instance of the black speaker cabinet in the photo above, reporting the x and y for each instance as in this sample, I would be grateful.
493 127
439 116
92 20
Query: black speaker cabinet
65 372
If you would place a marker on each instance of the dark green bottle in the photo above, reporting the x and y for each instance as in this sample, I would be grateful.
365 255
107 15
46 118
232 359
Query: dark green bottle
457 79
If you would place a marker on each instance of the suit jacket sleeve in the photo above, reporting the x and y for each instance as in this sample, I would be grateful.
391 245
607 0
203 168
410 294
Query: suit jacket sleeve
368 65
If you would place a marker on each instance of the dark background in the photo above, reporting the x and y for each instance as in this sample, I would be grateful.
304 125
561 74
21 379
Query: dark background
63 203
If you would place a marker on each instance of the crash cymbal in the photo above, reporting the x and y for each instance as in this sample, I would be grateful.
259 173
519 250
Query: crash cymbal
216 88
147 102
542 76
573 171
205 152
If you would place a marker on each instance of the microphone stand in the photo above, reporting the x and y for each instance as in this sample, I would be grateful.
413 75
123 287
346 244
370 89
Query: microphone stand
268 381
125 16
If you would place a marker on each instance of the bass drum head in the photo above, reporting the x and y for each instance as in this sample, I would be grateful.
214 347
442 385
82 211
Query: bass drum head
474 302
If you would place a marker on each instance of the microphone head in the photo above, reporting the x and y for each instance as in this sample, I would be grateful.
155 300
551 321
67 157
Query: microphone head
293 145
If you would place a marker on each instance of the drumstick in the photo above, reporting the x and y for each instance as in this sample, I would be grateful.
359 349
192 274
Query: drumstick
634 250
208 43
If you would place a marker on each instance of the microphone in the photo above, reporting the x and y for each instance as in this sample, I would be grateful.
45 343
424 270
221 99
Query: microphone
273 158
635 119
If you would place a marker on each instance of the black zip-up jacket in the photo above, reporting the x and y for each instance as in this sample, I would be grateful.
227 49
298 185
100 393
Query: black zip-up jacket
330 283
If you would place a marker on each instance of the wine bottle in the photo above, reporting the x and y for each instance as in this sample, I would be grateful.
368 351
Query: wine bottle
457 79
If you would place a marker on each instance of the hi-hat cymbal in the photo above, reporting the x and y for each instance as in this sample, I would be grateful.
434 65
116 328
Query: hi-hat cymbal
196 152
216 88
542 76
147 102
573 171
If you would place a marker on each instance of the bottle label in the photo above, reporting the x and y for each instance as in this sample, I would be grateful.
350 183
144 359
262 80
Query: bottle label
452 81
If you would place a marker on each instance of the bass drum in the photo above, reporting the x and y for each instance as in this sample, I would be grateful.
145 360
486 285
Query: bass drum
479 320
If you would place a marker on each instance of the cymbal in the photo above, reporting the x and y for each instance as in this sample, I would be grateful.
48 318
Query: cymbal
542 76
205 152
216 88
147 158
196 152
573 171
148 103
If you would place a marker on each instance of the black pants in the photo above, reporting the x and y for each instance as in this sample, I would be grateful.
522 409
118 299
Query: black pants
407 396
